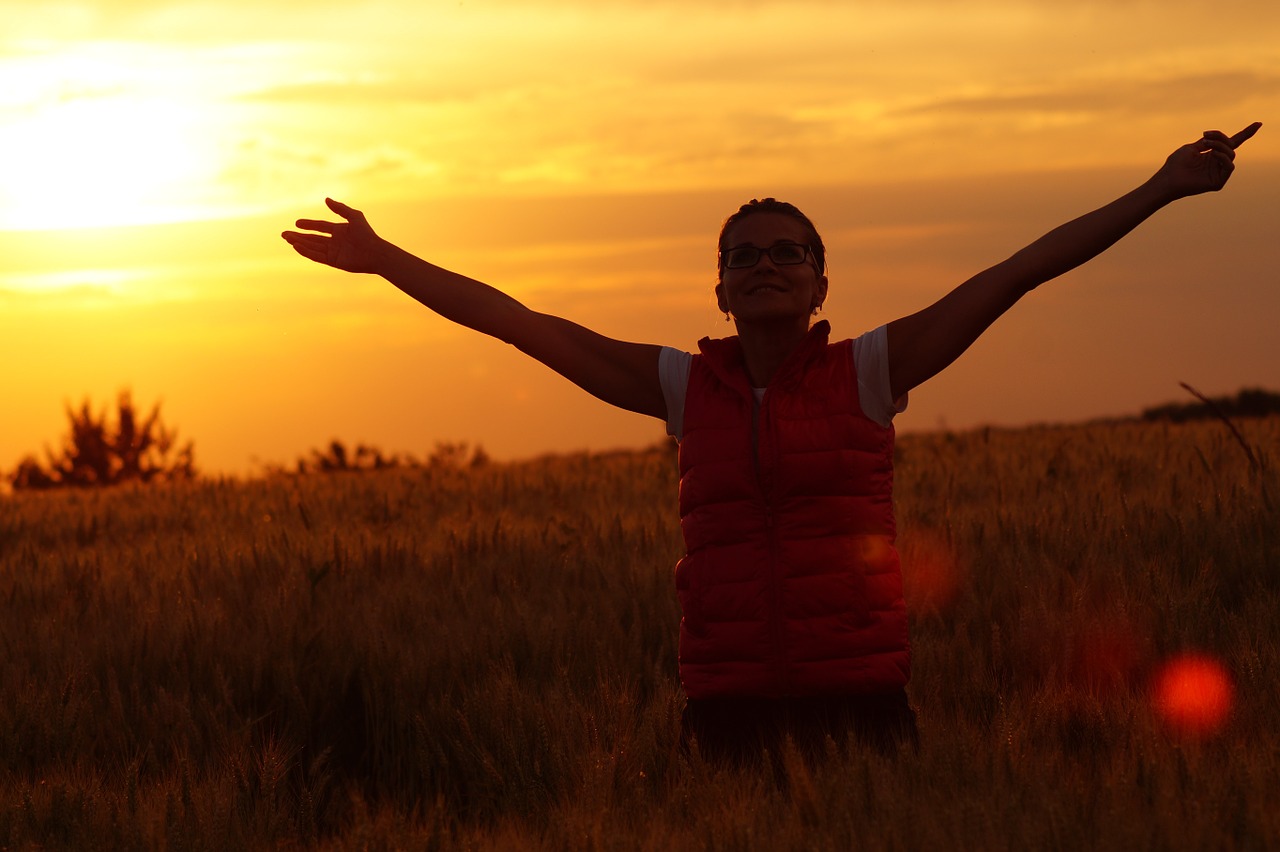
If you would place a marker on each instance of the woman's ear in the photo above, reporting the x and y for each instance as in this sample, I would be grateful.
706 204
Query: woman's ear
720 302
820 295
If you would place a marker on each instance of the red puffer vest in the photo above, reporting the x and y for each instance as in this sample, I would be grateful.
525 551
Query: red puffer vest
790 585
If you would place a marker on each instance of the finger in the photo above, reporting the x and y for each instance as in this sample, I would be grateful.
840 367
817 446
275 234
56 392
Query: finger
1217 146
348 213
1244 135
319 225
1220 168
314 241
311 253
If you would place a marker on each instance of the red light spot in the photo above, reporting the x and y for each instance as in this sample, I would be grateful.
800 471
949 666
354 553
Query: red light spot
1193 694
931 575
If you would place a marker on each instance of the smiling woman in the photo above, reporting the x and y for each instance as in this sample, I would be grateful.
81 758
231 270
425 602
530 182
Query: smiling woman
94 141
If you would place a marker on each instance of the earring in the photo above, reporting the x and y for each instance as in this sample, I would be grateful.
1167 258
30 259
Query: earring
726 316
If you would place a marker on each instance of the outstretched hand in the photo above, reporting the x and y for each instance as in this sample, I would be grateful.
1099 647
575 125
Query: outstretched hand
1204 165
351 246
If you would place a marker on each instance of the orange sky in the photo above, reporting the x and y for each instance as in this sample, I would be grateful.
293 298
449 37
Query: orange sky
581 155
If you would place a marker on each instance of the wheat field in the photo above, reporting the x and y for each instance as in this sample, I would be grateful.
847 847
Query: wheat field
484 658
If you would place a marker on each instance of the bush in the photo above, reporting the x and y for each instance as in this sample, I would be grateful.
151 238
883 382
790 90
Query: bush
97 453
1249 402
338 458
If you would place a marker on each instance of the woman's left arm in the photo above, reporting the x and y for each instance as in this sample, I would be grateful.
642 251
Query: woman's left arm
924 343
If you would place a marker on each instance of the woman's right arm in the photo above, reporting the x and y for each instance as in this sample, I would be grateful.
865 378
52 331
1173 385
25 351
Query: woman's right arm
620 373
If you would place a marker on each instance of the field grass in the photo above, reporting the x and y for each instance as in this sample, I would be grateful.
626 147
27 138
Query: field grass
485 658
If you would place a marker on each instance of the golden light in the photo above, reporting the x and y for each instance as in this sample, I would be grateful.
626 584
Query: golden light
1193 694
94 138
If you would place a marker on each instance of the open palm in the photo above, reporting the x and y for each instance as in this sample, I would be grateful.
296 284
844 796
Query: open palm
351 246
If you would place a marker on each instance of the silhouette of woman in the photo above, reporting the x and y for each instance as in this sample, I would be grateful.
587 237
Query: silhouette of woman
793 621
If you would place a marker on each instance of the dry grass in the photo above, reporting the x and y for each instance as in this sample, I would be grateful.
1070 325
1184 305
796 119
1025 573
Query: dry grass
485 659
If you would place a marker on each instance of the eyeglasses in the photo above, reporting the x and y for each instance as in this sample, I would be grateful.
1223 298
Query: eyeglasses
783 254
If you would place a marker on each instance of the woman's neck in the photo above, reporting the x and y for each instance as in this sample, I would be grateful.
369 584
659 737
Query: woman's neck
766 347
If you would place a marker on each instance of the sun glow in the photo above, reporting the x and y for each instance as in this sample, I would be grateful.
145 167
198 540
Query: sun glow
91 140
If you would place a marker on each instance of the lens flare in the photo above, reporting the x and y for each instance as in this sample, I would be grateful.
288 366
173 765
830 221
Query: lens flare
1193 694
931 575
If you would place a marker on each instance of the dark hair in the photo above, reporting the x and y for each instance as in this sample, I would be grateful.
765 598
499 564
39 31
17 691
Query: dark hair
773 205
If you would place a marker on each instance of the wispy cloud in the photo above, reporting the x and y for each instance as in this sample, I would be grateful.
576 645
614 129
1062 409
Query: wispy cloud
1114 95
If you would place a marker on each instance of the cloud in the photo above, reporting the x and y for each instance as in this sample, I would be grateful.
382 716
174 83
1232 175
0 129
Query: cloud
1114 95
385 91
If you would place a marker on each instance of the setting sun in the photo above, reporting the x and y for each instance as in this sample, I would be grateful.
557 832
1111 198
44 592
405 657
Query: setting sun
94 141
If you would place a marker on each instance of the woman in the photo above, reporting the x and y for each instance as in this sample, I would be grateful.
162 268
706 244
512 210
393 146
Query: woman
793 618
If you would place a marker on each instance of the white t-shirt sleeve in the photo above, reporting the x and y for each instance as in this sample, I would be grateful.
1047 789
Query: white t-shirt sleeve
673 374
870 359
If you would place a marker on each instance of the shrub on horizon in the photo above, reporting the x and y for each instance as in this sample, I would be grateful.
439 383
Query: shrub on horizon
98 454
337 458
1248 402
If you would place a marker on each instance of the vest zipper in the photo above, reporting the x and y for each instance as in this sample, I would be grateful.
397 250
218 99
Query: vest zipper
765 475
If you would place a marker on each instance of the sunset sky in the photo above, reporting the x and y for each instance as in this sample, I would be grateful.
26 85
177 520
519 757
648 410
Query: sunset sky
581 155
